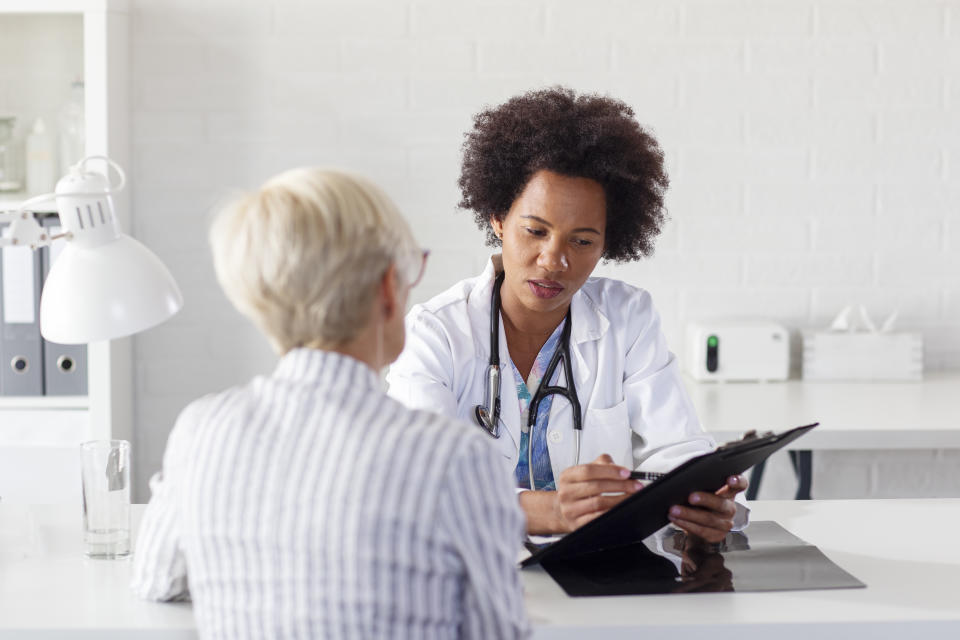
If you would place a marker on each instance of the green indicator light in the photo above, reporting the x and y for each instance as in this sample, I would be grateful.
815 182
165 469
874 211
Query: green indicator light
712 341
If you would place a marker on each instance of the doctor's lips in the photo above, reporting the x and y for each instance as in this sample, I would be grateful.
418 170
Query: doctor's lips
545 288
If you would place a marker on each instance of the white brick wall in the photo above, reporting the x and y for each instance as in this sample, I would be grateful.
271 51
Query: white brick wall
814 151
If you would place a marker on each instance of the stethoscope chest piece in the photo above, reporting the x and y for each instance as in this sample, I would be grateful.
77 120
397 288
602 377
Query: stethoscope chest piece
491 426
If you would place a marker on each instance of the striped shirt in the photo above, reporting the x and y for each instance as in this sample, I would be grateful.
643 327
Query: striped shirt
308 504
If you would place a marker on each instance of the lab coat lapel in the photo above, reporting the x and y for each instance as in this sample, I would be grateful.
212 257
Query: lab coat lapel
479 305
588 324
509 402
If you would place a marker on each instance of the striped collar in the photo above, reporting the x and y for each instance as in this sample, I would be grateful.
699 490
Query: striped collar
326 368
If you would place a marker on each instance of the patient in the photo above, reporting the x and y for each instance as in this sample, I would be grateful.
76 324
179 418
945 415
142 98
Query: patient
307 503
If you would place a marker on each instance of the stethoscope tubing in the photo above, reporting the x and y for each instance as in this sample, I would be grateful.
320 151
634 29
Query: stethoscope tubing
488 415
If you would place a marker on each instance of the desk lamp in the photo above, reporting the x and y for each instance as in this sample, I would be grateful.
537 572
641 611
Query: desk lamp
104 284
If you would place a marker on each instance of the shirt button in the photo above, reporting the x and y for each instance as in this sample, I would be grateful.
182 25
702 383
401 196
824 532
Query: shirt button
555 437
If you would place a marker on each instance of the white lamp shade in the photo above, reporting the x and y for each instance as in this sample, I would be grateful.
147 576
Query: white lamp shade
104 292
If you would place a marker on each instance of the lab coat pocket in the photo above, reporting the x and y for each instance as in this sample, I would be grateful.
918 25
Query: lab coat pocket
607 431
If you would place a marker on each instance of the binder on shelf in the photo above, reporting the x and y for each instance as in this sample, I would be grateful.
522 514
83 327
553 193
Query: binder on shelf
64 365
21 348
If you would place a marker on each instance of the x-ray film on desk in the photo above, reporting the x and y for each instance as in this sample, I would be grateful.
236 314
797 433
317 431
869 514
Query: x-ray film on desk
766 557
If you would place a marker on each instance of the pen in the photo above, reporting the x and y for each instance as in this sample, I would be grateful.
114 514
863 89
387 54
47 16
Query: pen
645 475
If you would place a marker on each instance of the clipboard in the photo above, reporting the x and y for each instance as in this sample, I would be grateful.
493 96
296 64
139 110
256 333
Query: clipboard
646 511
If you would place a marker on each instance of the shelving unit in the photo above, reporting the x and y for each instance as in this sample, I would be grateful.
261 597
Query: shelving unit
45 403
10 201
38 434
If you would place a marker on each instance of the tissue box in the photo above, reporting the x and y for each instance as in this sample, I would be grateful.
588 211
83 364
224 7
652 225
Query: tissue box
862 356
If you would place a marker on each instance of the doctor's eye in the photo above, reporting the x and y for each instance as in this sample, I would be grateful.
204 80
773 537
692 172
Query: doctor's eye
581 242
539 233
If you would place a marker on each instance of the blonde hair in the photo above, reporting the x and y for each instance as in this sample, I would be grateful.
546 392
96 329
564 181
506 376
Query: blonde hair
302 256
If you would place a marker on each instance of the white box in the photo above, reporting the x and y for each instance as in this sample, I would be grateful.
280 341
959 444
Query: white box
862 356
738 350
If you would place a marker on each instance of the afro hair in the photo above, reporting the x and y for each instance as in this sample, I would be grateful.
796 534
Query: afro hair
586 136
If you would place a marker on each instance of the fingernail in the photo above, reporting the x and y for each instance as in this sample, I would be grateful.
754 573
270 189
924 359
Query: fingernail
638 485
675 511
624 473
732 480
694 498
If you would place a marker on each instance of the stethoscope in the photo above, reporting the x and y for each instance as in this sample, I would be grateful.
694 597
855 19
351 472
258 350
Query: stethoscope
488 414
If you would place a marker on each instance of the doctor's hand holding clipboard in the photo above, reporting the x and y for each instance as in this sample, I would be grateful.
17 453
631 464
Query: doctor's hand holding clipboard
587 491
568 374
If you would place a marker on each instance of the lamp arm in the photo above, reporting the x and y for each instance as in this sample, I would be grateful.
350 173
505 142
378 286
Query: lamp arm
24 229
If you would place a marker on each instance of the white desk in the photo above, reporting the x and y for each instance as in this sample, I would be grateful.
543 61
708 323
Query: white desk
48 589
876 415
908 558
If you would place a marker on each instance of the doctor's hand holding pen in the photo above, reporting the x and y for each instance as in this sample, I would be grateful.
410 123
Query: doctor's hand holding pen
586 491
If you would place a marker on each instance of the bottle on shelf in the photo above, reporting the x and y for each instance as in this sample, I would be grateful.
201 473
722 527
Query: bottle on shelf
41 156
9 156
72 128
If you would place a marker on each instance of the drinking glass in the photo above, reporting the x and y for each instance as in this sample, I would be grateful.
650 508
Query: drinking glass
105 466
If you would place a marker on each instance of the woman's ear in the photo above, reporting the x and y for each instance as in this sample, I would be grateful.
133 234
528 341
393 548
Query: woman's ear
497 224
390 293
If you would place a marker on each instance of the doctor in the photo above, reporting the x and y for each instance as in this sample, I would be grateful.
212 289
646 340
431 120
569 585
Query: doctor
559 368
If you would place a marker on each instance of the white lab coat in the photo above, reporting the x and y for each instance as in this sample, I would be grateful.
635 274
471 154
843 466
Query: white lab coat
635 406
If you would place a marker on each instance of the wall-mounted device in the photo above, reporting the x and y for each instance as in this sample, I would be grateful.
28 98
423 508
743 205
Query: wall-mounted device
738 350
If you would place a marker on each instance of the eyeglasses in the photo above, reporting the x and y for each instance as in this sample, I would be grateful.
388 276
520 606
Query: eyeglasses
416 266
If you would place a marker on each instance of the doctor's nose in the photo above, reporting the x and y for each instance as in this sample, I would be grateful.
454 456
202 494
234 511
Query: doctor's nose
553 259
